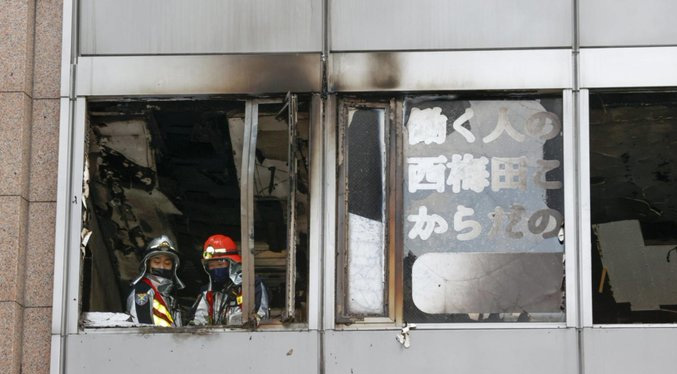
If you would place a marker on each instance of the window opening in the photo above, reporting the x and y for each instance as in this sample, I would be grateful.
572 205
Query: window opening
173 168
483 203
481 214
364 260
633 207
281 206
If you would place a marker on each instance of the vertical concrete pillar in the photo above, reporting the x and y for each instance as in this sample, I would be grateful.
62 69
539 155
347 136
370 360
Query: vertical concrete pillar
17 25
43 164
30 50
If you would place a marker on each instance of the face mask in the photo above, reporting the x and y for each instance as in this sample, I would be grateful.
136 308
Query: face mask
163 285
219 277
164 273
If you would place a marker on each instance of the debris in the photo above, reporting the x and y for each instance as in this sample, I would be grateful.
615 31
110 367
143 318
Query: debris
403 336
104 319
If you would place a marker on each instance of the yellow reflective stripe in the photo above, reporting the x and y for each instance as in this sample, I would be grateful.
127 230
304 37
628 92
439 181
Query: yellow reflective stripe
161 308
161 322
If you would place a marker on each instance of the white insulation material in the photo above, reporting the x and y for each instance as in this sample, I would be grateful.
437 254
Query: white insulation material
366 271
104 319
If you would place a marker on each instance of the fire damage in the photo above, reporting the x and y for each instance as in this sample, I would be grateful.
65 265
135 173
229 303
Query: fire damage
173 168
633 207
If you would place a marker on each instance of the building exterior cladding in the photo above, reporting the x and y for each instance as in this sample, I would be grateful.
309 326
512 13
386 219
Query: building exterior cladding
122 49
30 60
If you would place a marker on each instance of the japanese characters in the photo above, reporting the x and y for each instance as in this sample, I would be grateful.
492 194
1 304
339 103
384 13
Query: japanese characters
482 172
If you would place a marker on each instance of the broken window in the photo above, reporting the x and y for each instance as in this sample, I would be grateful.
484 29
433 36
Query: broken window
363 263
175 168
633 207
474 187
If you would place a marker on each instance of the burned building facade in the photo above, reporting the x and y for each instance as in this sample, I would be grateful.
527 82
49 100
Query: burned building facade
424 186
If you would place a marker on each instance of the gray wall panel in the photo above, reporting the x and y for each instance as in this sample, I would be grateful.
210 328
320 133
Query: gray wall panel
630 350
627 22
628 67
198 75
205 26
225 352
358 25
450 70
505 351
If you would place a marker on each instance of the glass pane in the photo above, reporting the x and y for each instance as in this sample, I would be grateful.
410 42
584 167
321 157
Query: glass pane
483 210
365 153
633 207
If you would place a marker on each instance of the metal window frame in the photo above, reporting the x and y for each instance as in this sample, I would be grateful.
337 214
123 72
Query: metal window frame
572 245
251 121
292 122
342 315
329 205
585 222
68 267
247 209
584 228
316 277
571 191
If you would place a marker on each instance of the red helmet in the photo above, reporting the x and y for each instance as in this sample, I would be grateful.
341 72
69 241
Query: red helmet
220 246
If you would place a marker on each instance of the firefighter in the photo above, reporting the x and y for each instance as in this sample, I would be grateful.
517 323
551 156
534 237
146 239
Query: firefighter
221 302
151 300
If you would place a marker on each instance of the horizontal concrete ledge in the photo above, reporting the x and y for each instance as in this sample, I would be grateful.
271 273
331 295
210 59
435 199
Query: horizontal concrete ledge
198 75
237 352
451 70
628 67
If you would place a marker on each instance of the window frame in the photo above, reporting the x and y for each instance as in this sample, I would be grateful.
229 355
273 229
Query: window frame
572 204
585 221
68 267
392 268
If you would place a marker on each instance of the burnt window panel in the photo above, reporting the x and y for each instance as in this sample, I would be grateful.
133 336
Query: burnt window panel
633 207
155 168
482 210
281 198
173 168
363 260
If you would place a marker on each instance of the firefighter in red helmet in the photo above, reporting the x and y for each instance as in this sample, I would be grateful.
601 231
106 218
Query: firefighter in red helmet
151 300
221 302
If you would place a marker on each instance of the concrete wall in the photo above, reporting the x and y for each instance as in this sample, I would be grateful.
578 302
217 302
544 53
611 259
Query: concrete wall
30 55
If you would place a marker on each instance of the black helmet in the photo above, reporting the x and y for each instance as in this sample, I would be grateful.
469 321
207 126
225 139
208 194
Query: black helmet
160 245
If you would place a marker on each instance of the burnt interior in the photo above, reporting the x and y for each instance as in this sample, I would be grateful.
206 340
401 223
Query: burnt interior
172 167
633 137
